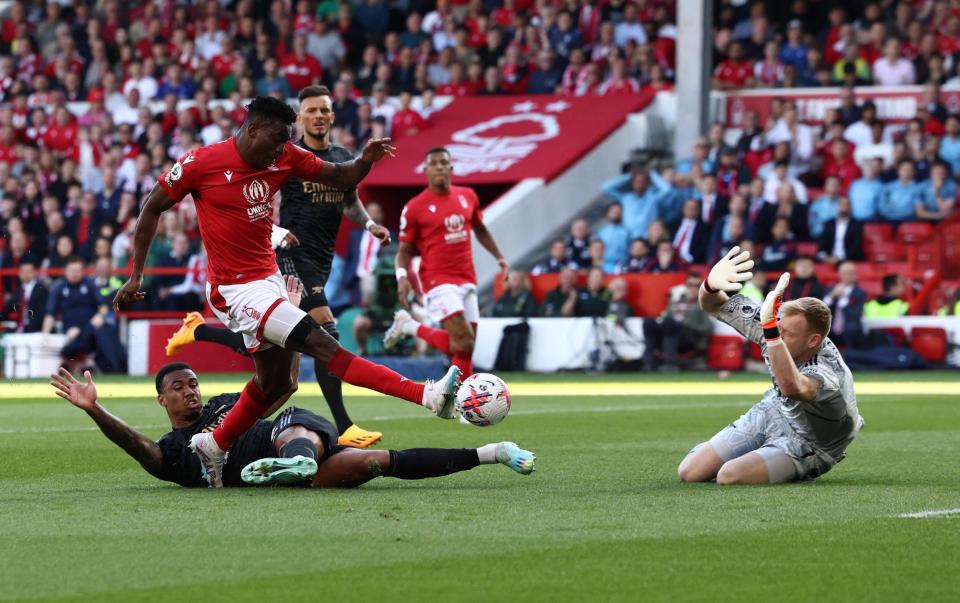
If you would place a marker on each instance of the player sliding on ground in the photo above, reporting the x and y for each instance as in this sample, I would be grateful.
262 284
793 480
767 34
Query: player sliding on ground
438 222
232 183
804 423
297 448
310 218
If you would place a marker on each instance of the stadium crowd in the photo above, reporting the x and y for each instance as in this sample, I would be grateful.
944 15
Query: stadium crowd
97 98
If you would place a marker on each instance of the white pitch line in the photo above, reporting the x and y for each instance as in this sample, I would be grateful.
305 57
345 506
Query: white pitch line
926 514
542 411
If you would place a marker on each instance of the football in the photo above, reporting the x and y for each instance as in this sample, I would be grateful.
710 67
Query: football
483 399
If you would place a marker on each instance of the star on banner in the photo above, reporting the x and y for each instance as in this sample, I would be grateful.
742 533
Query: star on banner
524 107
557 106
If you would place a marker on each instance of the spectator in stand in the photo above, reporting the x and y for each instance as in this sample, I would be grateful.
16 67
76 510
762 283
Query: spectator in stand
665 259
938 194
950 144
929 155
846 300
300 68
893 69
852 69
735 72
794 51
642 204
842 237
638 260
780 251
591 300
28 301
619 82
849 110
839 162
178 257
751 131
778 179
865 192
683 327
889 304
547 77
516 299
824 208
731 173
726 234
629 29
557 261
578 244
615 237
85 319
597 252
804 282
768 72
787 206
800 137
756 287
618 309
899 199
406 122
693 234
701 149
18 252
566 289
272 82
860 132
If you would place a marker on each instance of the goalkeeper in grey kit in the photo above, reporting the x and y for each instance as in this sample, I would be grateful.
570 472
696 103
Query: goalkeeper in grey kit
804 423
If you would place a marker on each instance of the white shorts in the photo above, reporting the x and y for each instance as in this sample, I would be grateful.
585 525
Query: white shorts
444 301
260 310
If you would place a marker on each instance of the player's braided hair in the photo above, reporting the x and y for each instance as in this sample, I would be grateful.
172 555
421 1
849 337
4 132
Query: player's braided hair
166 370
272 109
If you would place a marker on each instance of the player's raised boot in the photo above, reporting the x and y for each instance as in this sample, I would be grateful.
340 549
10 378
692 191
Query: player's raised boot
397 330
212 458
185 334
280 471
358 437
522 461
440 396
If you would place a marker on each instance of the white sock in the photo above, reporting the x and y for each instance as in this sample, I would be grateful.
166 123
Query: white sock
487 454
410 327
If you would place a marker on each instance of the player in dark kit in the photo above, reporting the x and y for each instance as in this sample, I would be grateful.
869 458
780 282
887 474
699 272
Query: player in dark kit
232 183
297 448
312 212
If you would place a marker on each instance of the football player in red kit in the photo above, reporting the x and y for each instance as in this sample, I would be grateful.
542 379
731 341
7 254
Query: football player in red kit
438 224
233 183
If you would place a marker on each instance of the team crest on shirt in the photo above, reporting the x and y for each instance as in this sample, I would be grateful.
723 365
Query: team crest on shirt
455 231
257 191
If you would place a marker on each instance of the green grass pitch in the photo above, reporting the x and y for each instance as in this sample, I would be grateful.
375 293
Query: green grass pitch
602 518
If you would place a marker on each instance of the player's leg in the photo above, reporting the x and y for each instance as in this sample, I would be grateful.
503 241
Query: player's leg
352 468
700 465
744 435
441 302
361 332
298 449
308 337
195 328
462 340
332 388
766 465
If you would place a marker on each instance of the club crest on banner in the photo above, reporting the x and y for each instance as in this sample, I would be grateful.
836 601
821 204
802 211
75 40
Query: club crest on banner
483 147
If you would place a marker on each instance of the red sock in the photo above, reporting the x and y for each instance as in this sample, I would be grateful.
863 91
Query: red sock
248 409
438 338
362 372
464 364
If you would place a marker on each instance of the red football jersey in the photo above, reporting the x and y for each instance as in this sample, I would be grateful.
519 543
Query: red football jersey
440 227
235 205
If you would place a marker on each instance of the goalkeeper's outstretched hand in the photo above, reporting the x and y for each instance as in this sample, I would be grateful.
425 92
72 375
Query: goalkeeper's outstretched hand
771 305
730 272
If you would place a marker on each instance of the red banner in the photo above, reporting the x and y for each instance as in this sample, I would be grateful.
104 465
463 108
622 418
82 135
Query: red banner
893 104
504 139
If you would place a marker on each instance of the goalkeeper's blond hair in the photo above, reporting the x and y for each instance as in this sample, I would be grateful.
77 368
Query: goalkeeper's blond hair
815 311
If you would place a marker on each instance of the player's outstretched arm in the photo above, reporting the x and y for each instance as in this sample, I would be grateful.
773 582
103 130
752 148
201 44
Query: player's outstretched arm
727 275
485 238
792 383
353 208
83 395
156 203
349 173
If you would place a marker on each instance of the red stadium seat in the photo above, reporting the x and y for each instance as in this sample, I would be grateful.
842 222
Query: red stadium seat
886 252
913 232
725 352
755 352
898 335
807 249
930 343
877 232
